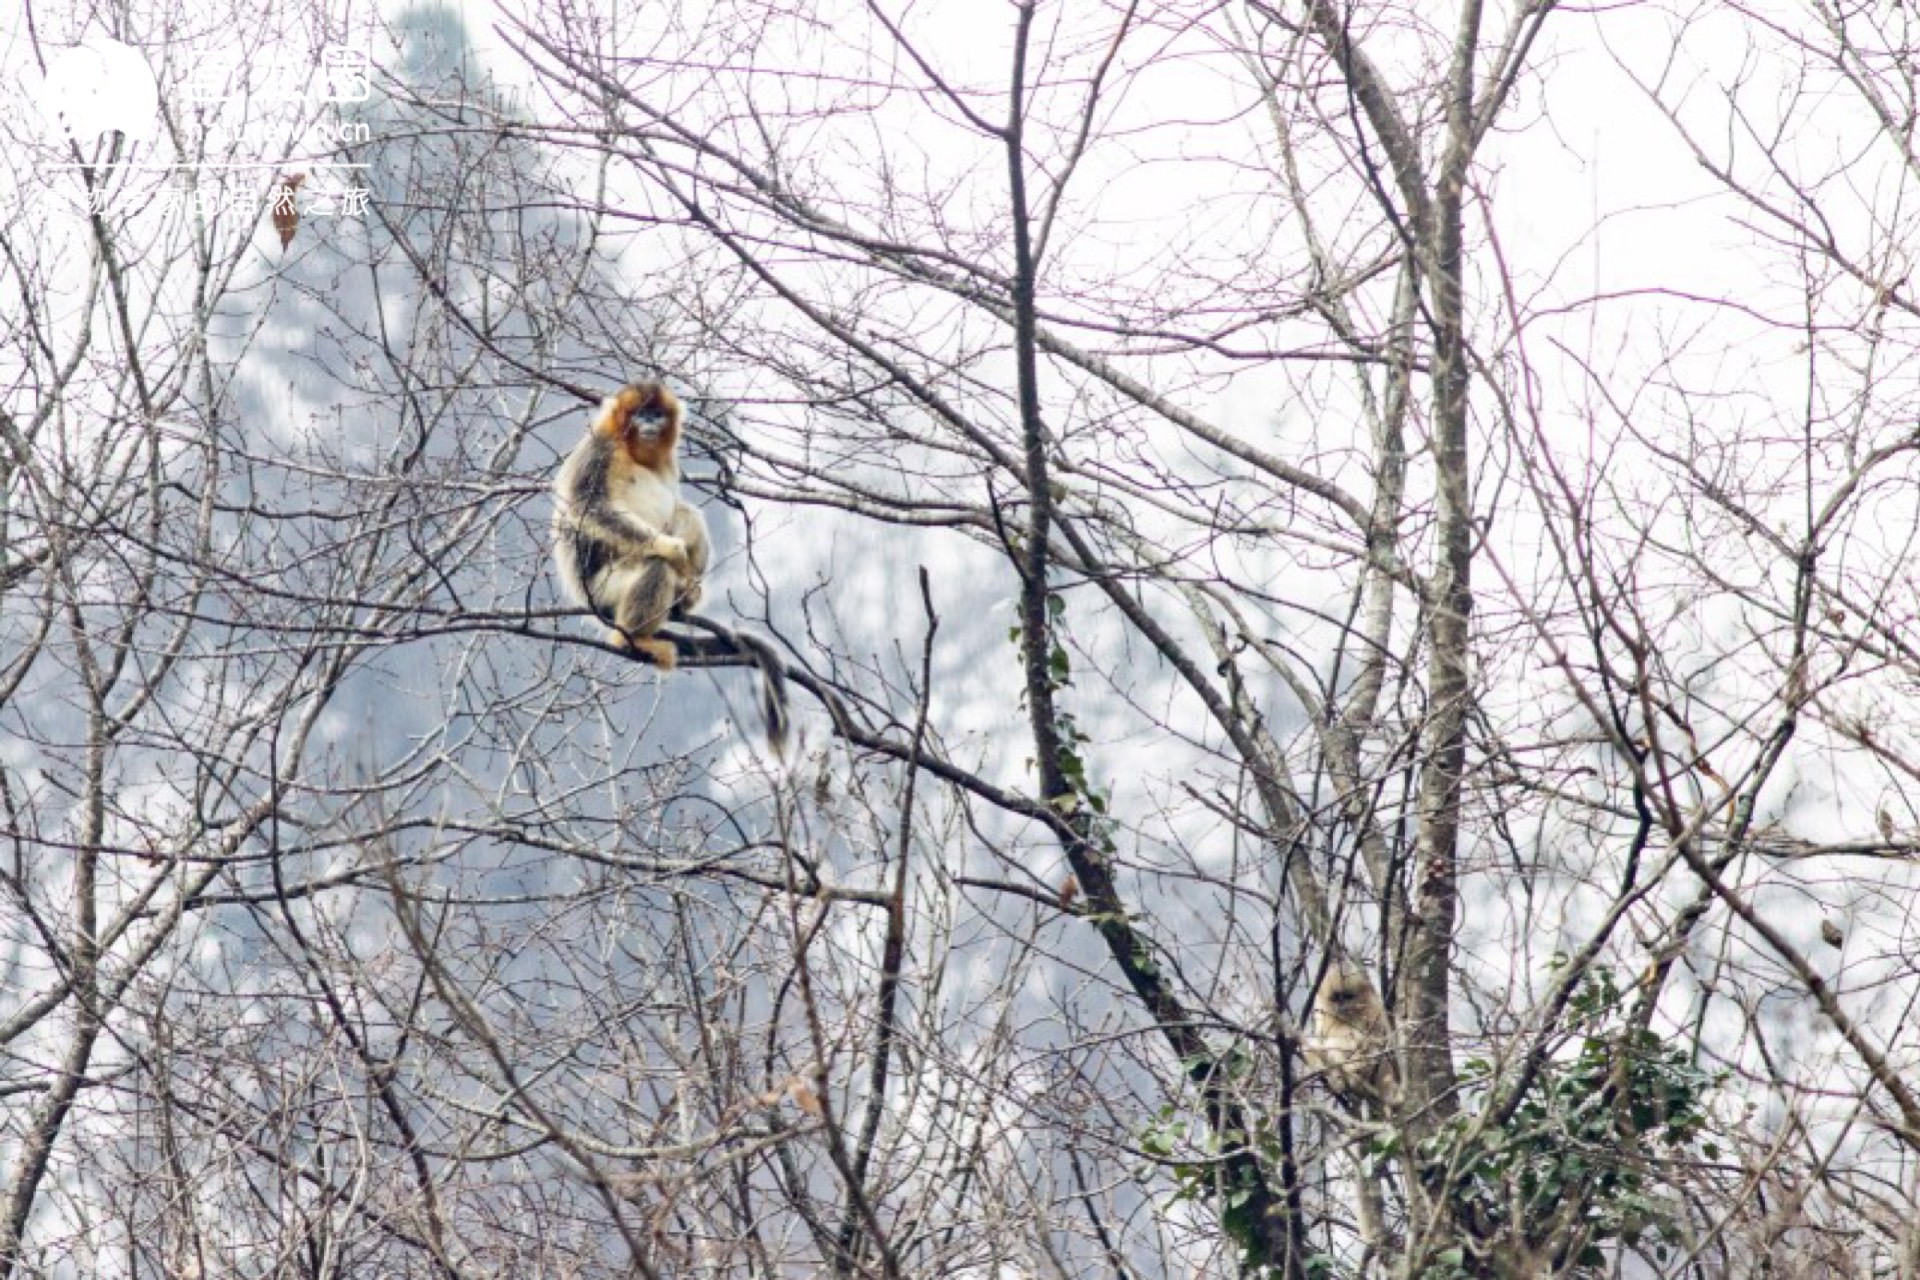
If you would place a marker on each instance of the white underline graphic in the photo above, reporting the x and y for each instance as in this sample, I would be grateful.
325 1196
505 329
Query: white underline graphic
211 164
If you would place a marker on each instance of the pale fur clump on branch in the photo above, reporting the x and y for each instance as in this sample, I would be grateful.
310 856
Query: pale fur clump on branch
1347 1041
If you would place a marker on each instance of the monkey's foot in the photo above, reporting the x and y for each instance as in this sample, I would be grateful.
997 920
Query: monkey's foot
659 652
662 652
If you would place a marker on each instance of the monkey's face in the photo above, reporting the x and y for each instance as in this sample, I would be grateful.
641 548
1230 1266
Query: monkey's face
645 419
1347 998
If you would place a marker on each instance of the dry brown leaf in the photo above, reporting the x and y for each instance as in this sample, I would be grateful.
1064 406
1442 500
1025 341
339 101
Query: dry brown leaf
804 1098
286 215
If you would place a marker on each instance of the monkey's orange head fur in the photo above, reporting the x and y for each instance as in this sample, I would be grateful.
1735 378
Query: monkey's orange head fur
645 419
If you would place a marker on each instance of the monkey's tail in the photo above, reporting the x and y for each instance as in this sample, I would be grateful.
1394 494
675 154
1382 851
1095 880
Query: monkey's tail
774 707
773 691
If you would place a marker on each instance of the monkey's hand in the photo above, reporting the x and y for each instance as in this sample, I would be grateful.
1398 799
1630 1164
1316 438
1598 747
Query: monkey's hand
690 597
671 549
